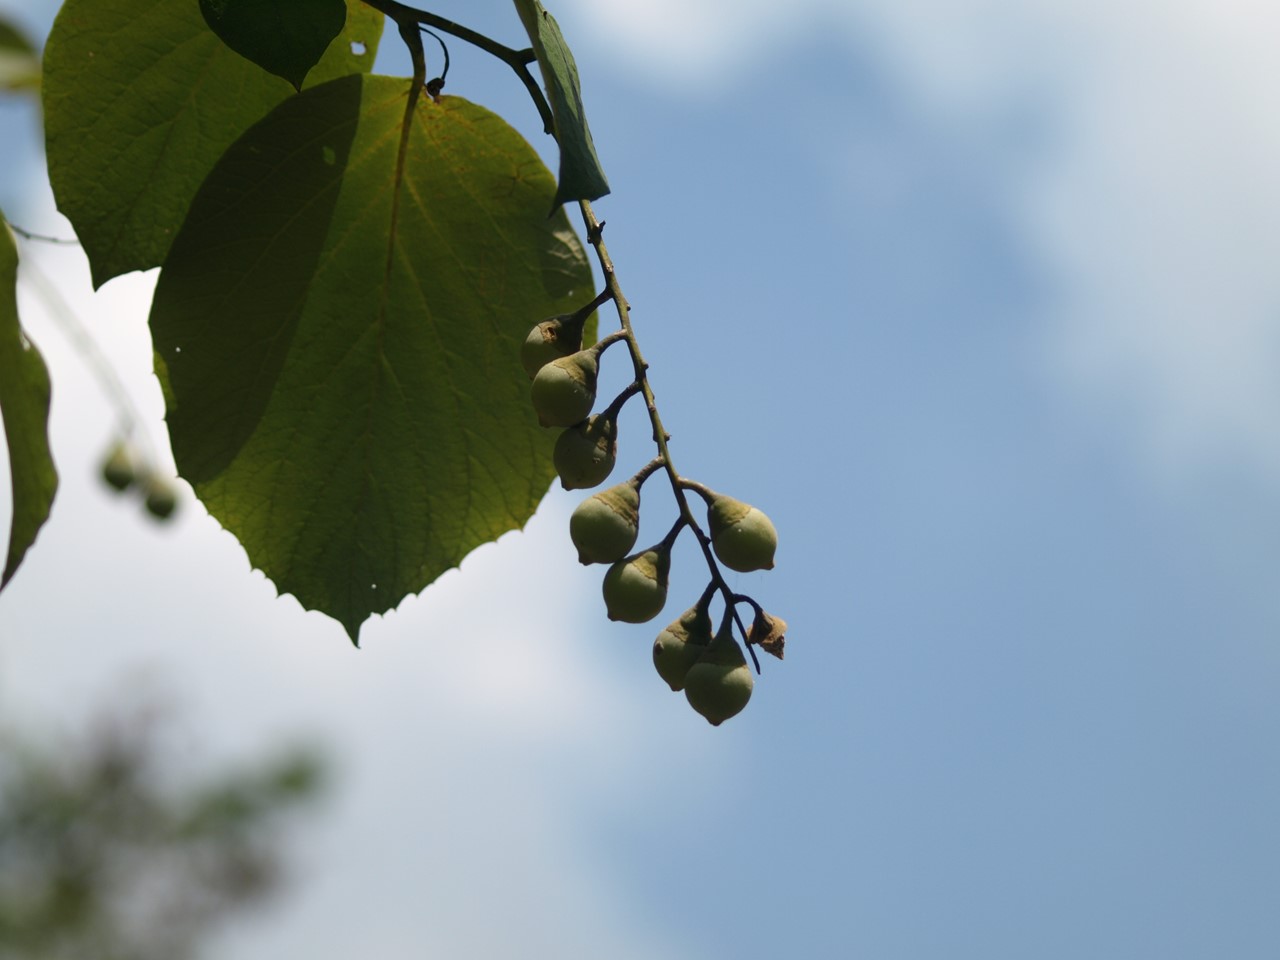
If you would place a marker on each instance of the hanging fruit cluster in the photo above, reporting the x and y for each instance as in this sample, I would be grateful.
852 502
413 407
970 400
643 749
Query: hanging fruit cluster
125 469
690 654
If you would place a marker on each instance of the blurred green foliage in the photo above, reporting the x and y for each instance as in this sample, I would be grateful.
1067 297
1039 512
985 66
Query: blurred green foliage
104 857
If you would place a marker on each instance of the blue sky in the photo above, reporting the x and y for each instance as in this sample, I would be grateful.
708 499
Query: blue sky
977 301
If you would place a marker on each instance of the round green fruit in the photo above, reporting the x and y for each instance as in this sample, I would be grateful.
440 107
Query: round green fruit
743 537
118 470
550 340
564 390
584 454
719 684
680 644
161 499
635 588
604 526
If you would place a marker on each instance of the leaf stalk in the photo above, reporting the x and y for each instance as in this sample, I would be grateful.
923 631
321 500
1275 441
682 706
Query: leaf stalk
407 17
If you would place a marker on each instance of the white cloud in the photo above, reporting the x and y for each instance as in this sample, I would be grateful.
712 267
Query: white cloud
1157 211
674 43
1163 214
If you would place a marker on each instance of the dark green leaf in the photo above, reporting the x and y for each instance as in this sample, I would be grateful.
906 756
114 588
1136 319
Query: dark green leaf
284 37
24 402
581 176
19 62
141 98
337 332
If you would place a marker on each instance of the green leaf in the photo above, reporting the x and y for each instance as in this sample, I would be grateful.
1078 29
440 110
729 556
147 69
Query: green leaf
141 98
19 62
581 176
284 37
24 403
337 332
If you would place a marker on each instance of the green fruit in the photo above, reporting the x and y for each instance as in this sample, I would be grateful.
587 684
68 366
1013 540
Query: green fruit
680 644
719 684
117 469
584 454
635 588
161 499
604 527
564 390
550 340
743 537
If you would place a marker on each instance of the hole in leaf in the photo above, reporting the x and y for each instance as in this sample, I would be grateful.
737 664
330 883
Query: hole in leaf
177 349
330 156
358 48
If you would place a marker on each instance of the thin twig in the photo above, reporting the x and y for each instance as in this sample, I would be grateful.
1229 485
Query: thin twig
28 235
595 233
127 415
517 60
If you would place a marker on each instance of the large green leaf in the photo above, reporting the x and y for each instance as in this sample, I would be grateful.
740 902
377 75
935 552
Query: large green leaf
581 176
19 62
141 98
24 402
337 331
284 37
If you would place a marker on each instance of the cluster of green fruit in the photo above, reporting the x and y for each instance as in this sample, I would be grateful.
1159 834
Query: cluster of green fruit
123 470
709 666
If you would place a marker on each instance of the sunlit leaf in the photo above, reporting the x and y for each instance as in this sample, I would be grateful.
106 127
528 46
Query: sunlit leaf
24 402
581 176
141 98
337 331
284 37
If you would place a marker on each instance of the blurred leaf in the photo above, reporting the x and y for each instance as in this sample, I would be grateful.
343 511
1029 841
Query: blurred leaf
141 98
284 37
24 403
103 854
19 61
581 176
337 330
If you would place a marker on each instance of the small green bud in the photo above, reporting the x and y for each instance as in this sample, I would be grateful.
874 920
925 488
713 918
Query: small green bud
743 537
584 454
680 644
604 526
118 470
719 684
550 340
161 499
635 588
564 390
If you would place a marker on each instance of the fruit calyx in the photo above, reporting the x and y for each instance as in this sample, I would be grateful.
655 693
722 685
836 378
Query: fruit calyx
767 632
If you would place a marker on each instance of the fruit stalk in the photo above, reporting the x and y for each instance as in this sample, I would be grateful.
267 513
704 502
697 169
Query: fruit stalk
595 234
